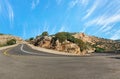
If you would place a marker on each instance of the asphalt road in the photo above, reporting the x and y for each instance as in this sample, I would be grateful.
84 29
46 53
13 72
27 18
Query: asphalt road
22 62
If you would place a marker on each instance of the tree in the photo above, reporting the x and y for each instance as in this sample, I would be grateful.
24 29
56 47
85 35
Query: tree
45 33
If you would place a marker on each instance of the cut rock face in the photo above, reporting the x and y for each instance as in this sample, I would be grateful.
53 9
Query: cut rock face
68 47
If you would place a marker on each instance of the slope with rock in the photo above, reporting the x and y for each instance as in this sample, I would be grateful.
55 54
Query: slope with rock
78 43
4 39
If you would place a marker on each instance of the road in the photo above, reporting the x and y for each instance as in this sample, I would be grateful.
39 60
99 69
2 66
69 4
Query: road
22 62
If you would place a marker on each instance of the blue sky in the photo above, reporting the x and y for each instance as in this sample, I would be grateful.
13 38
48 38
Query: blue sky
28 18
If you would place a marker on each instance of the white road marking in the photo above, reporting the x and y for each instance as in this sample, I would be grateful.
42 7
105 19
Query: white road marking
27 51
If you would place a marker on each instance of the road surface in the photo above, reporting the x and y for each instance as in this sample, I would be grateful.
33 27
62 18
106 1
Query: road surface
22 62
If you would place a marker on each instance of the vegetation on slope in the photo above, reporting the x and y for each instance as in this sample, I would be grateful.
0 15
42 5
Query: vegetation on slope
95 43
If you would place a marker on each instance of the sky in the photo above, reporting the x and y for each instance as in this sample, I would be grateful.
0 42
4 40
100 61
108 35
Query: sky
29 18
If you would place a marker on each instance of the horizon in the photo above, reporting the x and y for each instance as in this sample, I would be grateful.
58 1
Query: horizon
29 18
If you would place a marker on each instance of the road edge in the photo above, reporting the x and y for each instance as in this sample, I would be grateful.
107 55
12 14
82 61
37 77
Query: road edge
51 51
7 47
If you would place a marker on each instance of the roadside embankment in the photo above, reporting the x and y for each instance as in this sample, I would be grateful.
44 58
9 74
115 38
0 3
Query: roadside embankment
6 47
51 51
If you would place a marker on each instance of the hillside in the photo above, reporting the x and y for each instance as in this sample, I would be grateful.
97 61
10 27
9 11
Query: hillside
106 44
78 43
8 39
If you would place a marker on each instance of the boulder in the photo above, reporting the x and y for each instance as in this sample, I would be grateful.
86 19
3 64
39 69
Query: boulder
44 42
67 47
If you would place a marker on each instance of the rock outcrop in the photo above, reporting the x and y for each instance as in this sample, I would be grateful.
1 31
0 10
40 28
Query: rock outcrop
67 47
77 43
107 44
46 42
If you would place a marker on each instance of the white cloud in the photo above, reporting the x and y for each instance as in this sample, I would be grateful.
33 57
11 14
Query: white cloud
92 9
35 4
116 35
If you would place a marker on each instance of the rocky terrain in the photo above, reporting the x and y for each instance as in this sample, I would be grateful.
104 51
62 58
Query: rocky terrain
106 44
4 39
78 43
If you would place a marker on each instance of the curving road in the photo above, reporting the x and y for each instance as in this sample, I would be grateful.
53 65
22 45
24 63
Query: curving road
22 62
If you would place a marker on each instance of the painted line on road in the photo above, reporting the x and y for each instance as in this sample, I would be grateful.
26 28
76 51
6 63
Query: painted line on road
27 51
6 52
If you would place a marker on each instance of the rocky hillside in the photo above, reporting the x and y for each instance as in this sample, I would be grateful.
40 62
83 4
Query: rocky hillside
78 43
8 39
105 44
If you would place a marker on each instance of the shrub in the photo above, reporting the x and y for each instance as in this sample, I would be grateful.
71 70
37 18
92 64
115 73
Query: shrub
62 36
31 38
45 33
11 42
80 43
98 49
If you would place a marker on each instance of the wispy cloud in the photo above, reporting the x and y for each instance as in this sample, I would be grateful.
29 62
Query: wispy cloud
45 26
58 2
10 12
84 2
0 8
24 35
116 35
108 28
6 11
35 4
64 28
53 30
73 3
104 21
108 17
92 9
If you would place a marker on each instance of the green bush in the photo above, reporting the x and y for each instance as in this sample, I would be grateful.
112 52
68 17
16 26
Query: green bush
80 43
62 36
45 33
11 42
98 49
31 38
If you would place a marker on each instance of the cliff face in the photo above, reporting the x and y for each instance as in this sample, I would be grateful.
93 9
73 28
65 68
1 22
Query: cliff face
5 38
